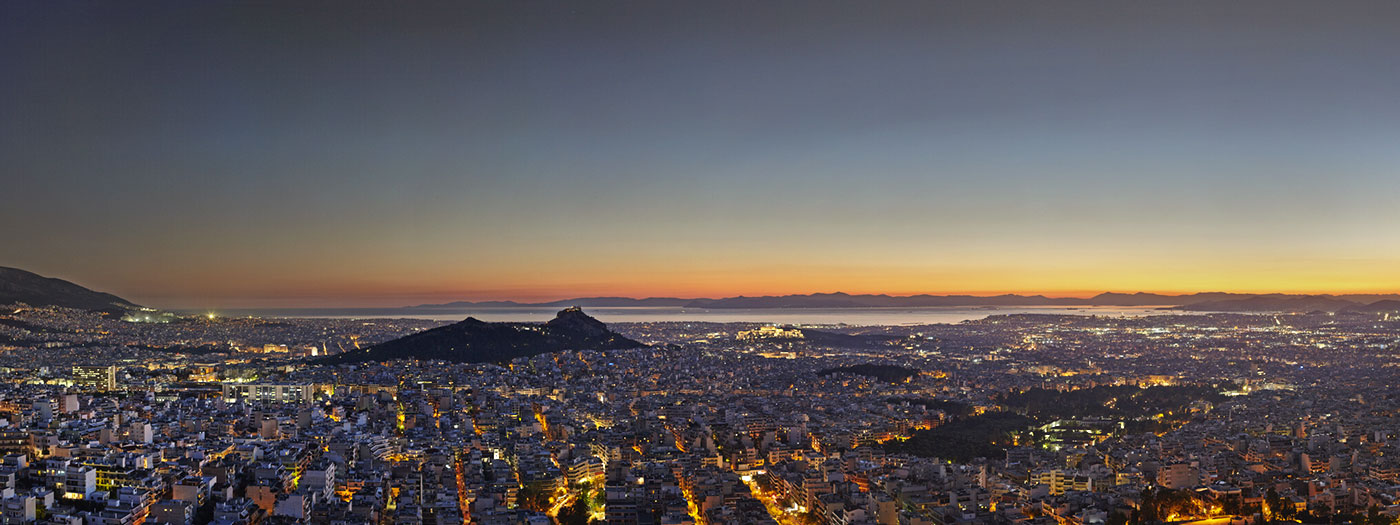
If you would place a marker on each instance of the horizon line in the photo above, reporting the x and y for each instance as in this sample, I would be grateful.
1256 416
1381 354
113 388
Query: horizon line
1046 295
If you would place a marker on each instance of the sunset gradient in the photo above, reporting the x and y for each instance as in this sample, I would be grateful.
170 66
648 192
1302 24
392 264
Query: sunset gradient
216 155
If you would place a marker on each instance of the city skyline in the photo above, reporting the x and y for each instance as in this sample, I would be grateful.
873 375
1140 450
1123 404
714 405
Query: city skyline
234 155
735 262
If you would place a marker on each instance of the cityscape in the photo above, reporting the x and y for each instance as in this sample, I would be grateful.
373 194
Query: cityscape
699 263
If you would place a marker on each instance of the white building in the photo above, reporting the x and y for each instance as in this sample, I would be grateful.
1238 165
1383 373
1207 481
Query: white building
268 392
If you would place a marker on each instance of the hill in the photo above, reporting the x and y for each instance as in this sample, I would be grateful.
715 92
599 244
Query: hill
1383 306
1275 303
964 439
476 341
19 286
1153 299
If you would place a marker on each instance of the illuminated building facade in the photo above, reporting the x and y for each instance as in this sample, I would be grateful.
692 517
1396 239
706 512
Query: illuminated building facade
269 392
98 378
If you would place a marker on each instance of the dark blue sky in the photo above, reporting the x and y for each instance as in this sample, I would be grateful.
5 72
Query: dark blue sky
211 153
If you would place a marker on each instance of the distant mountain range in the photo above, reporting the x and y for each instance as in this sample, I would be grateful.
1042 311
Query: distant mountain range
1207 301
1298 303
19 286
475 341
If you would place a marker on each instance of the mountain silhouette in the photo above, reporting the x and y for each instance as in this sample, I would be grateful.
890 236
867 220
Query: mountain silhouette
19 286
476 341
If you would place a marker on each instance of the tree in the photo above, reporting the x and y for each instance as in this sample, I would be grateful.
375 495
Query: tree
1148 509
1232 506
1375 517
534 496
575 514
1275 503
1321 512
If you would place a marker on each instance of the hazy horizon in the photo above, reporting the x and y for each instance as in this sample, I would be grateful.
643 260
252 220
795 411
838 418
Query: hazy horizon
315 303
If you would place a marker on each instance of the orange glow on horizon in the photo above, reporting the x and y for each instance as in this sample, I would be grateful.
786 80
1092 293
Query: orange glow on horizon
543 287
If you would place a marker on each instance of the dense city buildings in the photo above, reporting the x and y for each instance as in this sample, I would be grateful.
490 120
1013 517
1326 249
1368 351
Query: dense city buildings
1012 419
931 262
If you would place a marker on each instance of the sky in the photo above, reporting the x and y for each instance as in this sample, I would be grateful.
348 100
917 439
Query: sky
219 154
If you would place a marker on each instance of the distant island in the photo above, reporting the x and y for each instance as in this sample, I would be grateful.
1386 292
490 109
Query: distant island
476 341
1281 303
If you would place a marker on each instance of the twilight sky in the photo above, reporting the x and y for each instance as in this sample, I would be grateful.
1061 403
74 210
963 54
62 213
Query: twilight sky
193 154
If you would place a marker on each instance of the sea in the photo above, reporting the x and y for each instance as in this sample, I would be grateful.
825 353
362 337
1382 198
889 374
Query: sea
792 316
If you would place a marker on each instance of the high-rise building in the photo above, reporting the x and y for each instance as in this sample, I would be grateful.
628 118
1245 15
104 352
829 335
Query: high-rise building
99 378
